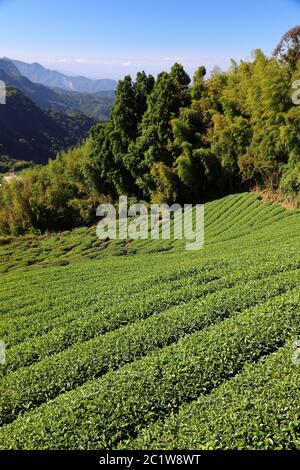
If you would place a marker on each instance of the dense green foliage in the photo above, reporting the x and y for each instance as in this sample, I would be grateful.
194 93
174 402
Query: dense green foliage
235 129
49 197
242 414
197 354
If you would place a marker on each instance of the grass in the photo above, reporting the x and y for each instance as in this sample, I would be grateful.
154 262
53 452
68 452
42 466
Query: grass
145 345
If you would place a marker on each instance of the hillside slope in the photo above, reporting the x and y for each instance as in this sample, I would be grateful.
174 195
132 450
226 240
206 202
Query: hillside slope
96 105
196 355
32 134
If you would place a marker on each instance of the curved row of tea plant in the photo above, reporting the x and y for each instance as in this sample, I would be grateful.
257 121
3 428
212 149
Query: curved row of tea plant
103 412
257 409
80 330
94 358
101 348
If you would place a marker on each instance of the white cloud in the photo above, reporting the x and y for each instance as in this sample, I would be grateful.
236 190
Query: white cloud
126 64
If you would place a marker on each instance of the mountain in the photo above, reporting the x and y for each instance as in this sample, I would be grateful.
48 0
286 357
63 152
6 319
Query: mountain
51 78
96 106
42 96
32 134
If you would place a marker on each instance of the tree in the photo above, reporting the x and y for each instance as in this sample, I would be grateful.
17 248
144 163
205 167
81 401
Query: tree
156 141
111 161
288 49
143 87
199 84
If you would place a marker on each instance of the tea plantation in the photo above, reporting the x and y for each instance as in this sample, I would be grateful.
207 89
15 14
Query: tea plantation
144 345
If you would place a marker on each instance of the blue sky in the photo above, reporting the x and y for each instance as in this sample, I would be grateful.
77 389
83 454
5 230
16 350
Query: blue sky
111 38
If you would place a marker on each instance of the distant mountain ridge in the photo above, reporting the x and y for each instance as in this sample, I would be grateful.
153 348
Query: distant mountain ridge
38 121
51 78
96 105
41 95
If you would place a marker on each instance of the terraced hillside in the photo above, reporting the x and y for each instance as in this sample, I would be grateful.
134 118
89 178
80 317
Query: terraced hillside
145 345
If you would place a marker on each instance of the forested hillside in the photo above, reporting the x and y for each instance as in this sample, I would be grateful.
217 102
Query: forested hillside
30 133
171 139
